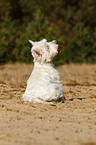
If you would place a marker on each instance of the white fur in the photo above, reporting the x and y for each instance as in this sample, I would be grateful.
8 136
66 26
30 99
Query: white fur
44 83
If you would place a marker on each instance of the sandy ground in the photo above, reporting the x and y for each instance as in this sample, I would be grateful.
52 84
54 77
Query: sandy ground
69 123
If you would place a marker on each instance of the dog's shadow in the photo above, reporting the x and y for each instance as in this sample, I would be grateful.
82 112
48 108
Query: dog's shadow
63 99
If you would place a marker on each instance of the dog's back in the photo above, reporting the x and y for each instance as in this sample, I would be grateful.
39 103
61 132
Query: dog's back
44 83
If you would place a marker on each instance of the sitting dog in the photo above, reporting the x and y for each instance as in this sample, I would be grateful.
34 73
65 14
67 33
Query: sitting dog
43 85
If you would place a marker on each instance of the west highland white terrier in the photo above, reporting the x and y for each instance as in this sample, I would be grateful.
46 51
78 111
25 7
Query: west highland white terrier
43 85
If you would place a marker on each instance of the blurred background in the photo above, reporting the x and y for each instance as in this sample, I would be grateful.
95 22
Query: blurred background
72 23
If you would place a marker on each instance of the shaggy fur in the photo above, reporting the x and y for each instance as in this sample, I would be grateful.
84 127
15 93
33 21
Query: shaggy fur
44 86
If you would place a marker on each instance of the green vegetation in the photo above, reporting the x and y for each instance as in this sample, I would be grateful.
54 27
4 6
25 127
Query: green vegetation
72 23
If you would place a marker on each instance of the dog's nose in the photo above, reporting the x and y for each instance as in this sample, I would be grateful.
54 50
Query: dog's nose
56 42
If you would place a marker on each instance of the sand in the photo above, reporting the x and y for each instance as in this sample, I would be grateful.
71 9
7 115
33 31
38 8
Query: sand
70 123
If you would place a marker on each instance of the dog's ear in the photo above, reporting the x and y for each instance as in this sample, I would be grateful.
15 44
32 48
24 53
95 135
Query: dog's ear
38 53
31 42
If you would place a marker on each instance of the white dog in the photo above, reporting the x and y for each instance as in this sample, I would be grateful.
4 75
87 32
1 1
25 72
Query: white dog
44 86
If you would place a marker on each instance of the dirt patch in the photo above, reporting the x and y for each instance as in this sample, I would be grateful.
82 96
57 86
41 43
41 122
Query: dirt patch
69 123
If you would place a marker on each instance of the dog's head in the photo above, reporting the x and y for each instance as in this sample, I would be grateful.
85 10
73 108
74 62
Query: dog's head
44 51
